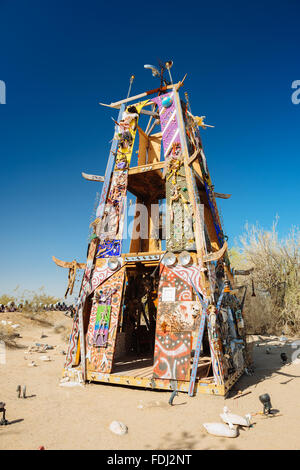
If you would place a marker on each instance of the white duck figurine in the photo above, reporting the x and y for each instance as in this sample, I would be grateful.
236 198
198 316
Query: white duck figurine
221 429
229 417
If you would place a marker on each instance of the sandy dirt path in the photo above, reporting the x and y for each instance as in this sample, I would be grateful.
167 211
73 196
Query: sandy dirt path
78 418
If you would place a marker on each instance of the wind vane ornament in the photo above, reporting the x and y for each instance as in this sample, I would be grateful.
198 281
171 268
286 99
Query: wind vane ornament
159 72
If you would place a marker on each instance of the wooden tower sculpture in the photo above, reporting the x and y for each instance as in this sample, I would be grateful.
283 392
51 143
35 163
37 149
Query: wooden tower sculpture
162 315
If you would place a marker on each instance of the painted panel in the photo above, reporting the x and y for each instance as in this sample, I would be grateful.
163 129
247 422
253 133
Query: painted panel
102 325
73 342
72 356
110 229
172 356
179 217
108 172
101 273
168 278
168 121
178 316
180 277
100 358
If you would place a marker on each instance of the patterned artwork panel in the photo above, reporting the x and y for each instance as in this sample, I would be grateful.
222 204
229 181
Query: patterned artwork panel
168 121
109 248
111 225
172 356
180 277
190 274
102 325
168 278
178 316
179 218
100 358
101 273
73 343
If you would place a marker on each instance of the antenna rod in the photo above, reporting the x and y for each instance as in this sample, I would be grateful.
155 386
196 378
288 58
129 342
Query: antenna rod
171 79
168 66
130 85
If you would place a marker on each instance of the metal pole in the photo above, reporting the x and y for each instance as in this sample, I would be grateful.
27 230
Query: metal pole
130 85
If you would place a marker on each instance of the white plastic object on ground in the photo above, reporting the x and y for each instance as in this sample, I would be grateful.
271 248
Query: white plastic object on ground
118 428
221 429
229 417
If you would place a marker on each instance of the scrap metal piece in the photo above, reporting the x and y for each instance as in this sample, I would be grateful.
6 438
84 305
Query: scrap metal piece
3 421
173 395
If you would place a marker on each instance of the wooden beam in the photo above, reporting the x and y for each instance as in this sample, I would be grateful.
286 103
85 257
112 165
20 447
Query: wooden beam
117 104
222 195
144 168
193 157
176 86
142 111
219 195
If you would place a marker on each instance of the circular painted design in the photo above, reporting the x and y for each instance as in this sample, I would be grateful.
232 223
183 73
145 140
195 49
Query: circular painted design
167 102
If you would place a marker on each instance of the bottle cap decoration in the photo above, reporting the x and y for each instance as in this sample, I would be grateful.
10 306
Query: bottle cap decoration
113 263
184 258
169 259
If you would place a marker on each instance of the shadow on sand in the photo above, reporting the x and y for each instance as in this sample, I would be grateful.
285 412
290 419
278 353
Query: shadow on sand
267 365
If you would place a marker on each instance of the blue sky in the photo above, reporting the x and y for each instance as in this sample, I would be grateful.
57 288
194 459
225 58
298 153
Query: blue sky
60 58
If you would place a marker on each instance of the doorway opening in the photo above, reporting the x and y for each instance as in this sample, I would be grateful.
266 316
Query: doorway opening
134 352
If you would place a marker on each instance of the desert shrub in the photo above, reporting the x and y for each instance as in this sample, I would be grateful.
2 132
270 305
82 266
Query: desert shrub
8 335
5 299
276 263
41 297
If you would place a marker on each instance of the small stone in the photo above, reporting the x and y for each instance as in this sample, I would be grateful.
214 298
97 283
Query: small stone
65 379
45 358
118 428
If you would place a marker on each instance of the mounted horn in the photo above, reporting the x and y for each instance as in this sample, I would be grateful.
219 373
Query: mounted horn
215 255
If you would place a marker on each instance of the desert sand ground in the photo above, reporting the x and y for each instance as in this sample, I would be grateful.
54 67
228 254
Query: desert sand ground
78 418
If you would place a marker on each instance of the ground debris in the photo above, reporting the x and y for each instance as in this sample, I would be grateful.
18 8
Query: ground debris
118 428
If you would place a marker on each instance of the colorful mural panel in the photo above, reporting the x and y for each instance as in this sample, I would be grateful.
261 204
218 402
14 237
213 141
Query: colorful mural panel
172 356
100 358
178 316
179 220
